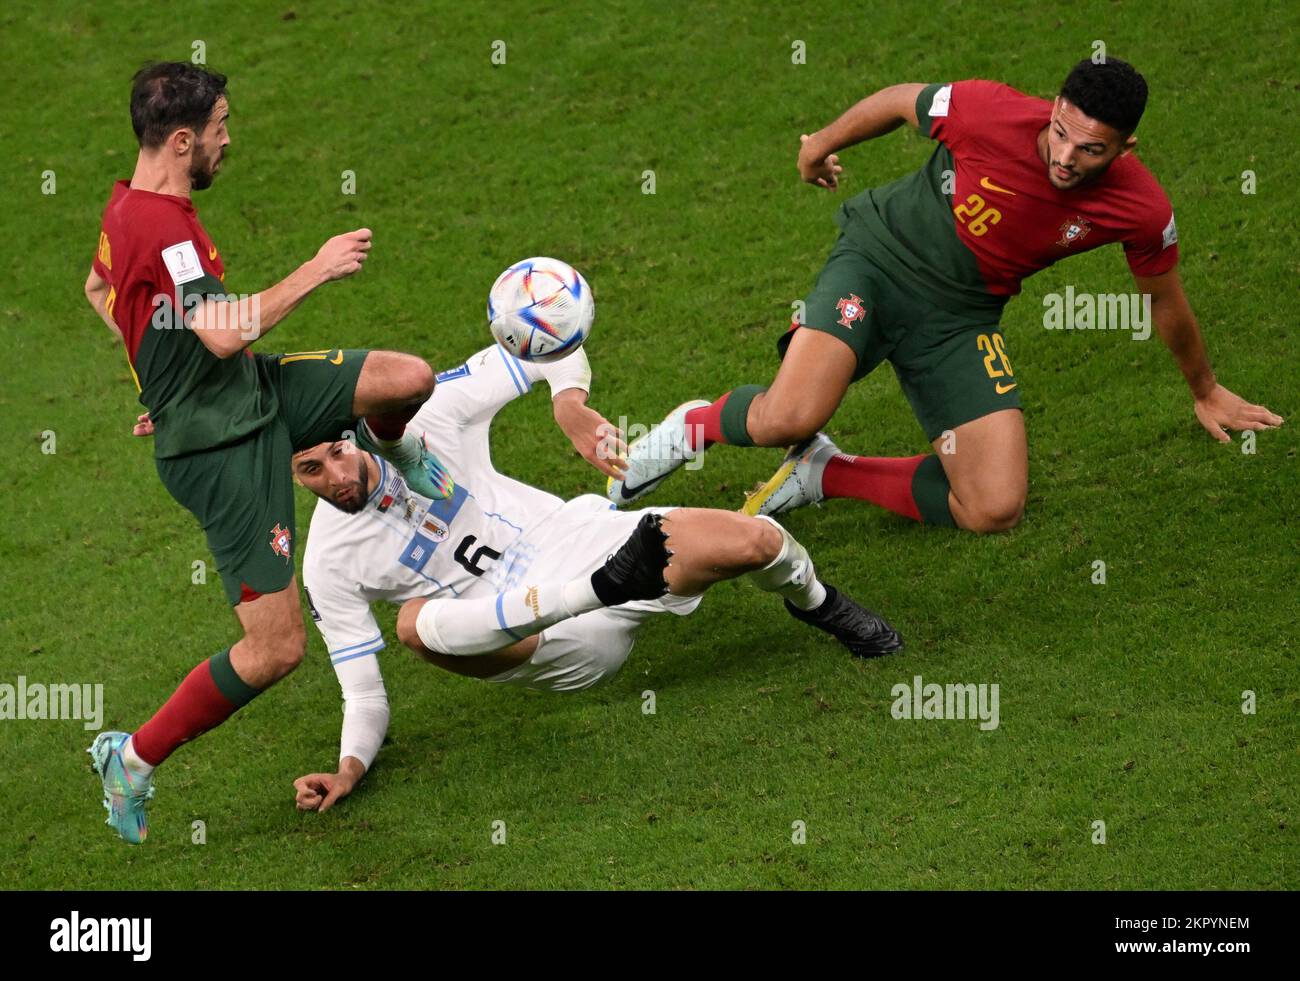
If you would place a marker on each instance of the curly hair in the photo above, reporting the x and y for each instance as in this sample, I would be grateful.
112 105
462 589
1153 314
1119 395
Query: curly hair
1113 92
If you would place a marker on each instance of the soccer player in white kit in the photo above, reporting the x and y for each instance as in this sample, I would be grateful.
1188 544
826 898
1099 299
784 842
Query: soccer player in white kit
508 583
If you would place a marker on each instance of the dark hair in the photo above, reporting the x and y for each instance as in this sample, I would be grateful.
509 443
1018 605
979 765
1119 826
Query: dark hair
1112 92
172 95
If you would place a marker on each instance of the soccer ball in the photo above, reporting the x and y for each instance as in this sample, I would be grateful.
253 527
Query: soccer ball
540 309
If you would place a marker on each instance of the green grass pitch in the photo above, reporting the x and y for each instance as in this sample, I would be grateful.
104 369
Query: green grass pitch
1119 703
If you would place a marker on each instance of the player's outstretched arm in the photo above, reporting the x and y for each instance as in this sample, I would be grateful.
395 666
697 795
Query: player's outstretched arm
596 439
877 114
321 791
226 327
1216 407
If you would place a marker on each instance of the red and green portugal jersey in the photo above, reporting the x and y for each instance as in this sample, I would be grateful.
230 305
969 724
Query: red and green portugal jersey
154 253
981 215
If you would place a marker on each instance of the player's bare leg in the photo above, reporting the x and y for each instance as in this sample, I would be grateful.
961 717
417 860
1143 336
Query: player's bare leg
274 640
390 382
808 388
709 546
976 479
273 645
988 470
390 390
683 552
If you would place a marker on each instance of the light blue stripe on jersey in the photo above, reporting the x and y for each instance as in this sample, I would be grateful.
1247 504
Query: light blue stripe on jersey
501 618
375 646
493 514
523 375
353 647
379 647
515 370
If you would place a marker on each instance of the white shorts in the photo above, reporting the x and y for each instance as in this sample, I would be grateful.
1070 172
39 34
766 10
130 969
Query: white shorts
581 652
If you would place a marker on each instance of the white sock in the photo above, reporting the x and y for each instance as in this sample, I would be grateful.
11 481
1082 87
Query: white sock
132 759
791 573
480 626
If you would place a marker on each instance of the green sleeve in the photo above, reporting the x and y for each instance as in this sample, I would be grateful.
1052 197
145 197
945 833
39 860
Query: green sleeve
924 102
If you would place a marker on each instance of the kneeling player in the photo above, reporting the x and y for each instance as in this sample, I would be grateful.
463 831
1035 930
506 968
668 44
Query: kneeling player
508 583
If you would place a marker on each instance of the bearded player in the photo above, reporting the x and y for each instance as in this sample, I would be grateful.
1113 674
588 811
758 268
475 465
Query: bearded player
225 421
505 582
919 277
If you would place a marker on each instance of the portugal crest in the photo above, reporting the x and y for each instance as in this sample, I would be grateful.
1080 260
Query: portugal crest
851 310
281 541
1074 230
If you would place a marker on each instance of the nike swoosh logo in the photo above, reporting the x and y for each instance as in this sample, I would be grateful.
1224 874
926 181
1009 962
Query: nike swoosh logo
988 185
629 492
1003 390
338 358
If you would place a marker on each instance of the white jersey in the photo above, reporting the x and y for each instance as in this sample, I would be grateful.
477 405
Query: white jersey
402 546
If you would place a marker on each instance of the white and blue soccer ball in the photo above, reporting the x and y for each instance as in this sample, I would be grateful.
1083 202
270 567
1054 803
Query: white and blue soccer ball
541 309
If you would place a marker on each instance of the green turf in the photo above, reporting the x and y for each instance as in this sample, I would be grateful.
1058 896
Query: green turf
1119 703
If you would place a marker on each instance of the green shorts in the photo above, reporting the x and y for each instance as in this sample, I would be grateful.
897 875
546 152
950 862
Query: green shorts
952 366
242 494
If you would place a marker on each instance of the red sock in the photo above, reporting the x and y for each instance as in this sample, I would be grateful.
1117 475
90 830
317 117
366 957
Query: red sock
391 425
705 423
194 708
882 480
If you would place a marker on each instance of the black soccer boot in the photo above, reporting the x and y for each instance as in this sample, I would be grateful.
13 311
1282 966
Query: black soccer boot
864 633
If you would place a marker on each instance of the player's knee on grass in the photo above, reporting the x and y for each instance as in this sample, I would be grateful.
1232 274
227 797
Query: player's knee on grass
993 511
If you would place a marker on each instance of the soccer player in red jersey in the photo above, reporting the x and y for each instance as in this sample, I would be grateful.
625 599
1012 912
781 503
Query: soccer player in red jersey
226 421
919 277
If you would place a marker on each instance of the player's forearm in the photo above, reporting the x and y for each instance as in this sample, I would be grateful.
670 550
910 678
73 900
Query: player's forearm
226 327
352 770
365 724
877 114
1177 327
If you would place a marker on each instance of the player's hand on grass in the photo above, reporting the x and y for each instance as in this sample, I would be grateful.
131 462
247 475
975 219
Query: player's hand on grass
818 168
596 439
343 255
143 425
321 791
1222 410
